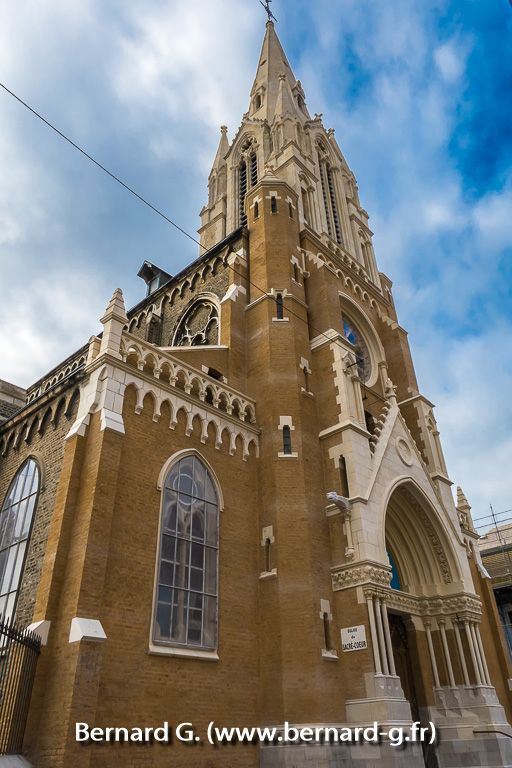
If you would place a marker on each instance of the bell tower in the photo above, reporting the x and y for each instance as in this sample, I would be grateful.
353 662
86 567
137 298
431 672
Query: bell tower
277 131
359 530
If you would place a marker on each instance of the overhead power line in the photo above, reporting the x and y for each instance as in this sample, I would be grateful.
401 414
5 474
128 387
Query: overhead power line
156 210
184 232
113 176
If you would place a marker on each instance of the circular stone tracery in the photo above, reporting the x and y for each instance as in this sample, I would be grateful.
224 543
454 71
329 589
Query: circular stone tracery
199 326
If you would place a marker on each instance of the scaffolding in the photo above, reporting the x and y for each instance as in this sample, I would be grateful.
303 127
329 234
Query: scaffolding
496 551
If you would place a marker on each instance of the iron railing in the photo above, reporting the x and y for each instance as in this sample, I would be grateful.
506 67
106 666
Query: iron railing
19 650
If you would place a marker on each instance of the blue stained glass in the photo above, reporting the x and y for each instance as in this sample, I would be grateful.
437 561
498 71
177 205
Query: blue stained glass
349 333
395 581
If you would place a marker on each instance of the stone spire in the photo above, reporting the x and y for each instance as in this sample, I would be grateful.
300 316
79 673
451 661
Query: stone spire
271 91
464 510
277 129
113 321
220 157
462 502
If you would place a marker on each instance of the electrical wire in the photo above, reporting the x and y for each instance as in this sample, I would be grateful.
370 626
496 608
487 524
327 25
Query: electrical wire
496 514
156 210
190 237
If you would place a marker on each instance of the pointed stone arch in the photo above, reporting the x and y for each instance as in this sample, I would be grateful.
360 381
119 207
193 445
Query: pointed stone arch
354 312
419 543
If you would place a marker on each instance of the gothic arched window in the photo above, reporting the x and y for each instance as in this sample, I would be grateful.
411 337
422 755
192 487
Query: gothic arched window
330 197
352 334
199 326
186 599
16 518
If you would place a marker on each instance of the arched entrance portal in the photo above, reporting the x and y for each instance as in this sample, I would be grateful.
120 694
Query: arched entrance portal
419 546
424 571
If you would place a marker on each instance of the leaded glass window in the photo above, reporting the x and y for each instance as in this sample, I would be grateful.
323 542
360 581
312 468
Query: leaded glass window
186 600
15 524
287 440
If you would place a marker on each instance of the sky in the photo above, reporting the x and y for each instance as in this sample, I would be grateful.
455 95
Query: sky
420 96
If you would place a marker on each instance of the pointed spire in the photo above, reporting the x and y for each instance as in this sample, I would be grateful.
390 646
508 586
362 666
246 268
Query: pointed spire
268 85
222 149
116 308
285 103
113 321
462 502
464 510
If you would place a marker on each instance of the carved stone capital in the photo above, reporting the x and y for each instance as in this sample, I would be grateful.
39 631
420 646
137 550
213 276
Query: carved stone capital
356 574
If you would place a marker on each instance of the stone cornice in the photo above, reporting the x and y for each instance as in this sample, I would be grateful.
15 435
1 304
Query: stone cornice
160 358
357 574
339 428
374 579
415 398
346 262
285 294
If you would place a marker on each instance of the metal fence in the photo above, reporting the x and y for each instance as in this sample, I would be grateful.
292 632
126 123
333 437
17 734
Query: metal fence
19 650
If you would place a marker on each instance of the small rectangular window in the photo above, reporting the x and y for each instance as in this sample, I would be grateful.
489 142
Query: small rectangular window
273 204
290 210
327 632
344 477
306 375
279 303
287 440
256 210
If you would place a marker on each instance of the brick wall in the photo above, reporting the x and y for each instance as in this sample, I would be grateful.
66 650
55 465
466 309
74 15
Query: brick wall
47 446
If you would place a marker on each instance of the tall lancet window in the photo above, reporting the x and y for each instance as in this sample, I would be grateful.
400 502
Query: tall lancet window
186 596
247 178
330 198
15 526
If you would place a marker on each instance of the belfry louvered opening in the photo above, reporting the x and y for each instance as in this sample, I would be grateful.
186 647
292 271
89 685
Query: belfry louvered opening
247 178
330 198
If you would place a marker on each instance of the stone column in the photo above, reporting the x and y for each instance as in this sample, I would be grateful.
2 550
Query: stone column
428 630
477 653
347 519
380 630
472 652
387 635
487 677
373 633
461 653
444 639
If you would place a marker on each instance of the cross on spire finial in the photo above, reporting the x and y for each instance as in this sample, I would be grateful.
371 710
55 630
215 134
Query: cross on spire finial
270 15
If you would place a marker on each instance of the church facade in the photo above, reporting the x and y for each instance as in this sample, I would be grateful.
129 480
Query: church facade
232 506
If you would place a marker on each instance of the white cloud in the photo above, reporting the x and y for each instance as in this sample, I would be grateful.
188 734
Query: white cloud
492 217
176 67
475 432
450 61
145 89
56 315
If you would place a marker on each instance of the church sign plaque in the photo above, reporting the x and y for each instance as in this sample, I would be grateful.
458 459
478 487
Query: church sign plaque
353 638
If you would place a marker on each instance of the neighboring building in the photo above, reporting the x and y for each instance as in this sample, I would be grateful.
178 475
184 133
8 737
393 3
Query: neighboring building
12 398
496 552
235 503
